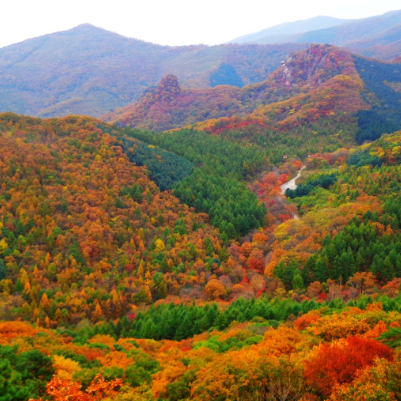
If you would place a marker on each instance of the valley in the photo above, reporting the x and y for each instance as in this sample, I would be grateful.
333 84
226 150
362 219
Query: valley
202 222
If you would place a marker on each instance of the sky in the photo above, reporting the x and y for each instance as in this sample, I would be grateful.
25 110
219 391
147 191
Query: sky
172 22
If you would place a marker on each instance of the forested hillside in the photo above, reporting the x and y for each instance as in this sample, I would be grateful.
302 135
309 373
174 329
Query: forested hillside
317 82
86 234
230 243
382 91
87 70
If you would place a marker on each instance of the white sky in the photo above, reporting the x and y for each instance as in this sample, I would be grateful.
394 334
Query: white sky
172 22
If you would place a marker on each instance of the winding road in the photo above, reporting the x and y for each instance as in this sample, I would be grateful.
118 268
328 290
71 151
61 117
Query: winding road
292 185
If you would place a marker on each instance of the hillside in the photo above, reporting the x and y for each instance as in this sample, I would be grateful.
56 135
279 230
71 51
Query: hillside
324 87
87 70
340 98
170 106
378 37
81 217
329 291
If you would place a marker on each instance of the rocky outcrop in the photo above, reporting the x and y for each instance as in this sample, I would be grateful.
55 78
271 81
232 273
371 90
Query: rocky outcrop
313 66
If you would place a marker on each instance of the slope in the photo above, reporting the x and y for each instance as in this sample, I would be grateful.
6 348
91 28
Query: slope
169 106
82 218
79 218
321 98
87 70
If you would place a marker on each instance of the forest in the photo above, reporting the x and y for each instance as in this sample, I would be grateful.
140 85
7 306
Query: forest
168 264
128 291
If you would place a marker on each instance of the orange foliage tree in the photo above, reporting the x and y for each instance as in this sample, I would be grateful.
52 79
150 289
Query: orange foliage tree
339 363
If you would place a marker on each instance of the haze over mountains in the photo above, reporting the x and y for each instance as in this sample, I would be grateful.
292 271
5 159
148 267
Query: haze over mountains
378 37
88 70
289 31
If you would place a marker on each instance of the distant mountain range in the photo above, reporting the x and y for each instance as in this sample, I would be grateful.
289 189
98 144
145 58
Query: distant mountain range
88 70
378 37
289 31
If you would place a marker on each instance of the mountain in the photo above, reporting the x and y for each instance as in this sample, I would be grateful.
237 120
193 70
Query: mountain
377 37
289 31
321 85
88 70
300 74
170 106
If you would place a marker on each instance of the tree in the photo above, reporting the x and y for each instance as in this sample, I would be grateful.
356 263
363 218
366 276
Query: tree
3 271
11 387
62 390
215 289
339 363
36 370
298 282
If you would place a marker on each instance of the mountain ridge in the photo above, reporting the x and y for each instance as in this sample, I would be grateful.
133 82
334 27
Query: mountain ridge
89 70
288 31
349 34
299 73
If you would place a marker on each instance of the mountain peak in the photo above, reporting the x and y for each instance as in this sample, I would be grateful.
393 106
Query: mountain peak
165 92
313 66
168 88
89 28
86 26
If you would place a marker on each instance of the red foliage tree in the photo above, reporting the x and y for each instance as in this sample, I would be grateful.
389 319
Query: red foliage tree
338 363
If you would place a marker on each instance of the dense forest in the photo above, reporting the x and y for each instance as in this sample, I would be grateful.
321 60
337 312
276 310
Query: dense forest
256 360
251 256
217 184
133 294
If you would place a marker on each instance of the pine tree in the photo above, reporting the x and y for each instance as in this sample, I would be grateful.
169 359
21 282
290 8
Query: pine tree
11 388
298 282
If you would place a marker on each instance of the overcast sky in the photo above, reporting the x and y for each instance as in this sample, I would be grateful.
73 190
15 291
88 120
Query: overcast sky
172 22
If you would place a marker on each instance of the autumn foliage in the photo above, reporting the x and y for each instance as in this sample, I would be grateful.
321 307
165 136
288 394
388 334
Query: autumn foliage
62 390
339 363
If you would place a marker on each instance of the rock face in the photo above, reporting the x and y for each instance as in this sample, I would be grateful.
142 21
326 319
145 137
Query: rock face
314 66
